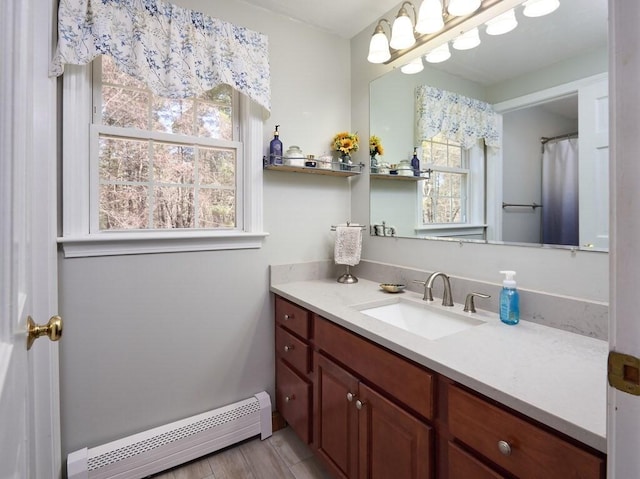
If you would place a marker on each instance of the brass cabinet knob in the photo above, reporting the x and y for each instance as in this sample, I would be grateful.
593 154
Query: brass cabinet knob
287 317
359 404
53 329
350 396
504 448
287 348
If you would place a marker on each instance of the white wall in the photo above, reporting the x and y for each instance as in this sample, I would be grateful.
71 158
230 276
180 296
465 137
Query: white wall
522 168
581 66
395 203
155 338
555 271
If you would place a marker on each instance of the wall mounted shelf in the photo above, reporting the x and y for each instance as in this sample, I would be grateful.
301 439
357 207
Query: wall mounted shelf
355 170
386 176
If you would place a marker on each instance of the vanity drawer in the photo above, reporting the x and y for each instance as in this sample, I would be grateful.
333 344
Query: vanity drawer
535 452
292 317
462 465
293 351
407 382
293 400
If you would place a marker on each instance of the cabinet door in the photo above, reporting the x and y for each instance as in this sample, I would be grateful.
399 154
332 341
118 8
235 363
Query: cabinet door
393 443
293 400
336 418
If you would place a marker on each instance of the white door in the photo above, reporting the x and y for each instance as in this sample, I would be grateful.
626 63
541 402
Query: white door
623 429
593 118
29 404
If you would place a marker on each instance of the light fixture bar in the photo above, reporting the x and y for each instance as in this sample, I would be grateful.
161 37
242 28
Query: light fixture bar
450 23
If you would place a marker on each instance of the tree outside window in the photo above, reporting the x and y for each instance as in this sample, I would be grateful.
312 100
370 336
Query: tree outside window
163 163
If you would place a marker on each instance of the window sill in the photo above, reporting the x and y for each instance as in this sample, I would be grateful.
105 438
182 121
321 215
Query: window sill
451 231
113 244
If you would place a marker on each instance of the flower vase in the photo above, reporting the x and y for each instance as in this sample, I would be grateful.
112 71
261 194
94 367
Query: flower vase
374 164
345 162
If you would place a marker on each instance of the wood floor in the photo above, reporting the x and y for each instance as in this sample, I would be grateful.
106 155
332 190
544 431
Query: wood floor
282 456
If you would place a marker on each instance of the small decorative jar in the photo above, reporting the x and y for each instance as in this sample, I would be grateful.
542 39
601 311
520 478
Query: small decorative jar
294 156
404 168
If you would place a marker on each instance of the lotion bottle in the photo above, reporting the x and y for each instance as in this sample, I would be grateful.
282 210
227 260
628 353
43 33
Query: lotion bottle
509 299
275 149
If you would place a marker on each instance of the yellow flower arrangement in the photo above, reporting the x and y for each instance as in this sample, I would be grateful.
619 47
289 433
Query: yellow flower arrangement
346 142
375 146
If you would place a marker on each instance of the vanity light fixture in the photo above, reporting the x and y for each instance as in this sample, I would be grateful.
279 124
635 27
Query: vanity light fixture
414 66
538 8
439 54
467 40
430 18
459 8
402 35
433 20
379 45
502 23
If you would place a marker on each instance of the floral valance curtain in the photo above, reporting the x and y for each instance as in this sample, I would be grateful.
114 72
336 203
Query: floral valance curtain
456 117
178 53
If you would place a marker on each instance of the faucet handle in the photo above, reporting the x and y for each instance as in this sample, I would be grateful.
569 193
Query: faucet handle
428 296
469 304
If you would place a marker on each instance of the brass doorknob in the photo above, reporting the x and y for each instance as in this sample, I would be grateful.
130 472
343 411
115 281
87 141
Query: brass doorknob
53 329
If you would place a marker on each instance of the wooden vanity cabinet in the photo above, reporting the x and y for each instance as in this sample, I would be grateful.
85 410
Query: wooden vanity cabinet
370 413
294 387
359 432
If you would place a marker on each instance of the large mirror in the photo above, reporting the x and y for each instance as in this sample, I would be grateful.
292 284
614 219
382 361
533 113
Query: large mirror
548 80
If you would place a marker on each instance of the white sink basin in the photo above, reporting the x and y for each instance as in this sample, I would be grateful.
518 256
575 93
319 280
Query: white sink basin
425 320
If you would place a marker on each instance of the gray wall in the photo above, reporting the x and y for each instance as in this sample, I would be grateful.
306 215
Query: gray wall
155 338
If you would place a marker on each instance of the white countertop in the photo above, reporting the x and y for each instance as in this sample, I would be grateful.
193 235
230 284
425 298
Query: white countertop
553 376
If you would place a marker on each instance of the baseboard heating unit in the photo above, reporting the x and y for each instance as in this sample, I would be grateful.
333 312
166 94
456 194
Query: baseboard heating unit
161 448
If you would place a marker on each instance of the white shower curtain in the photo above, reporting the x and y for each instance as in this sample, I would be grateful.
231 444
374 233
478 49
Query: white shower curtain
560 192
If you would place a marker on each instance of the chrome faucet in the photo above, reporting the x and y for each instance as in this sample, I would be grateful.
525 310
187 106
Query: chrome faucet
447 298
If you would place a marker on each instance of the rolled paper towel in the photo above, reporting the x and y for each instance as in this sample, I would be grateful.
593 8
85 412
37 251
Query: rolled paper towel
348 245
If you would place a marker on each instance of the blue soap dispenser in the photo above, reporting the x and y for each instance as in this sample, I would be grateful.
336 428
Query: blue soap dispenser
415 163
275 149
509 299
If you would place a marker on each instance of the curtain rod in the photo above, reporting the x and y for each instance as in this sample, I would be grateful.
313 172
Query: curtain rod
544 139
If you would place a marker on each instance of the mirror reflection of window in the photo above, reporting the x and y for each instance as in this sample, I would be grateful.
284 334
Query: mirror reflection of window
452 200
444 194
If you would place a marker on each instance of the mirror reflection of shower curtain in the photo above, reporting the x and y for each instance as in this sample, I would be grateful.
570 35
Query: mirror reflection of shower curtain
560 192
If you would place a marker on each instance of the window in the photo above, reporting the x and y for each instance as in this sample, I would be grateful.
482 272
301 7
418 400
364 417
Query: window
157 174
162 163
444 194
451 201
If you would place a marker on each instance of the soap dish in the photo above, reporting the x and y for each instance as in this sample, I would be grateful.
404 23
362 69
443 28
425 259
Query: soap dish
392 288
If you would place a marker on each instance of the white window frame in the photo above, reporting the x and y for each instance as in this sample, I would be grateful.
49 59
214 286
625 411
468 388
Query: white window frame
474 224
78 240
